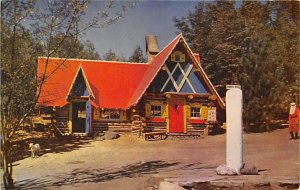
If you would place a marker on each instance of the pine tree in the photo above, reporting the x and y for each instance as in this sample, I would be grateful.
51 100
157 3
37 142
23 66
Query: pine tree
137 56
255 44
269 67
214 31
71 48
112 56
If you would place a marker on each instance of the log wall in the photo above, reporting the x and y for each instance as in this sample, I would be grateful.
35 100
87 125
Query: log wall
115 126
155 127
195 128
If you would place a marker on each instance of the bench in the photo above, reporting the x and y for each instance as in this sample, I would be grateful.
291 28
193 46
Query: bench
155 135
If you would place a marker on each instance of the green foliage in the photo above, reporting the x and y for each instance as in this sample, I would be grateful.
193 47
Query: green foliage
137 56
56 27
18 68
72 48
112 56
254 44
18 87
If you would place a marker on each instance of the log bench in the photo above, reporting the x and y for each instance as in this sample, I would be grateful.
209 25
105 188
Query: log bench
155 135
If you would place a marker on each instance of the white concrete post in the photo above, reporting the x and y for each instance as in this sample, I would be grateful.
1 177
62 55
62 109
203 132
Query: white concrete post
234 129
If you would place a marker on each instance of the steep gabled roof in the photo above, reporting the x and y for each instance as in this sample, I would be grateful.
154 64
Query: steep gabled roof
80 71
116 85
154 66
112 83
203 75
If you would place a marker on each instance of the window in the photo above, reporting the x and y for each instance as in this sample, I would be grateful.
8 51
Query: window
195 112
110 114
155 111
81 114
177 58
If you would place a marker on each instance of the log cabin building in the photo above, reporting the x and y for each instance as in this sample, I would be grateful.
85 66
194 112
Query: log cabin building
169 93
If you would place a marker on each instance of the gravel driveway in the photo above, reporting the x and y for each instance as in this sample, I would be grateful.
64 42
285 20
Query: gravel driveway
133 163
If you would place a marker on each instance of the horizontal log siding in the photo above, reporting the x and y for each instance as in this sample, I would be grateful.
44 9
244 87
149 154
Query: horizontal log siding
62 111
155 127
193 128
115 126
62 124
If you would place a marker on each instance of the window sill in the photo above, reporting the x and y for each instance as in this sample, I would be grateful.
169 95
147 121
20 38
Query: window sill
109 120
196 121
157 119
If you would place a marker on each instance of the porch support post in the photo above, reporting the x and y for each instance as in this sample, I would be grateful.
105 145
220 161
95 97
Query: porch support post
184 116
88 116
70 117
168 118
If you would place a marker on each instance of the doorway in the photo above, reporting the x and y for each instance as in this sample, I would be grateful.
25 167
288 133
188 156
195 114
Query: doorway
78 117
176 111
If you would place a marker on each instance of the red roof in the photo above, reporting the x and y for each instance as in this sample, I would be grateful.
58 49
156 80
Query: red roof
113 84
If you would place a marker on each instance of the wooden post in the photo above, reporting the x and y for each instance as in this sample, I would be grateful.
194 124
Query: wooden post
88 118
70 117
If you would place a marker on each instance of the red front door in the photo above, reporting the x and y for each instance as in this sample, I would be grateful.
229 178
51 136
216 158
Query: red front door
176 123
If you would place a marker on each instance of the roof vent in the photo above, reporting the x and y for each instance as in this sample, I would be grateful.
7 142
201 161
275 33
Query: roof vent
151 46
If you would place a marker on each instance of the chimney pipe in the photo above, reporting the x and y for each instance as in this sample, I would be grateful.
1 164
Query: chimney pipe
152 48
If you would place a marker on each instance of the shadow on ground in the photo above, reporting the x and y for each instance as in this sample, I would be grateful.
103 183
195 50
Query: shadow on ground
87 175
20 148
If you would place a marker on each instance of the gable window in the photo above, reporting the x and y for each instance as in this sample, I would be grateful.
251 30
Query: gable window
177 58
195 112
155 111
110 114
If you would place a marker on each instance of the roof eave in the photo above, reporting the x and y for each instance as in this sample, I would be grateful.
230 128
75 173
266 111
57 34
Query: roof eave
201 72
178 37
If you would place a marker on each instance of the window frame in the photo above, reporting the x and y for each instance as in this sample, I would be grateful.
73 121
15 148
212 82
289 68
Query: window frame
110 114
153 110
193 112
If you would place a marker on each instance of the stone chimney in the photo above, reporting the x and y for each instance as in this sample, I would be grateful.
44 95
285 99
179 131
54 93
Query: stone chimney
151 47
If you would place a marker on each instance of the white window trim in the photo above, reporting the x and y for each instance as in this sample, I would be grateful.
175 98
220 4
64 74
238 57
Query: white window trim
185 78
196 112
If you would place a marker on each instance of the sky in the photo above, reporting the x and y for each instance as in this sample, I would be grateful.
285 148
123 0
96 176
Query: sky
147 17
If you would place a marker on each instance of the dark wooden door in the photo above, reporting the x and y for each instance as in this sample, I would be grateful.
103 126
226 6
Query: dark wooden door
78 117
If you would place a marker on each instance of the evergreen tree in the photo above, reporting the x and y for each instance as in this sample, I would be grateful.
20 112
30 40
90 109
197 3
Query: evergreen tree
137 56
214 31
89 51
72 48
112 56
254 44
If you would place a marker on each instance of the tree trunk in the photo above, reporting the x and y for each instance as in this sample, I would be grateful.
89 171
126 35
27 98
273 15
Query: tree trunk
7 164
247 127
7 175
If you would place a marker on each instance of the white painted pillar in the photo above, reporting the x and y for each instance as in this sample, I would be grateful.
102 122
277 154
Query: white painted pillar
234 129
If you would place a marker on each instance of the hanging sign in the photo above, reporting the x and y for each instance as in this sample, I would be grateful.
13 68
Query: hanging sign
212 114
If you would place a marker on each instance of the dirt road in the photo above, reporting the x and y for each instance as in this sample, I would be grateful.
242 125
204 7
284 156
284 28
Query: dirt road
130 162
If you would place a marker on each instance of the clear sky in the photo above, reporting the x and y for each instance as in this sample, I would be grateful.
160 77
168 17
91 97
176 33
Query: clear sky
147 17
